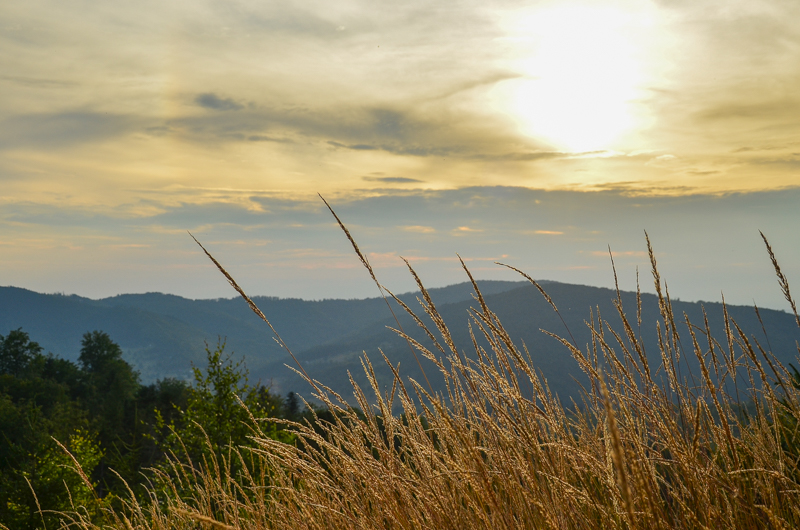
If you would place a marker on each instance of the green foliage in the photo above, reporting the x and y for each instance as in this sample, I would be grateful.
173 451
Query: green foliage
220 409
292 406
57 470
38 405
157 406
215 429
31 460
75 437
97 410
107 393
16 352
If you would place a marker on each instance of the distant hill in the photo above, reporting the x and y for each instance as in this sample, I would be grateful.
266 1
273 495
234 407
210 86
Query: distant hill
162 334
524 314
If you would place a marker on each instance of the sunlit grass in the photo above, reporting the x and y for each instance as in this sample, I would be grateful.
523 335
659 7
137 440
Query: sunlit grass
642 449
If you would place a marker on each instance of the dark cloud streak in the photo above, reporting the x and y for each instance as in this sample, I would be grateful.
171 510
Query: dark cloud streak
64 129
392 180
209 100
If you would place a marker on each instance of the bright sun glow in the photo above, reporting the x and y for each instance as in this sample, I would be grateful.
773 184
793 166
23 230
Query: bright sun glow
581 72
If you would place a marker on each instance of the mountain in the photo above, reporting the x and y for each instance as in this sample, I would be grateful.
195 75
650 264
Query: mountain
162 334
525 314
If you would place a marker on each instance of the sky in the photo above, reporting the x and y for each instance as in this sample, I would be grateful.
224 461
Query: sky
536 134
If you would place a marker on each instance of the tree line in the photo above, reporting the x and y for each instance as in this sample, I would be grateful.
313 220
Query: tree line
118 430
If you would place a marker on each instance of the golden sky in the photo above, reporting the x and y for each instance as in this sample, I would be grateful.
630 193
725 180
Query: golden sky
124 124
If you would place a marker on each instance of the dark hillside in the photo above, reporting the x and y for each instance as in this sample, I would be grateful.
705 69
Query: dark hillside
524 313
162 334
156 345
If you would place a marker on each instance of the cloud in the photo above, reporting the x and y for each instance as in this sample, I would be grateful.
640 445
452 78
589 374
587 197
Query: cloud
129 245
791 162
63 129
209 100
391 180
595 154
419 229
355 147
37 82
403 131
262 138
705 243
270 97
780 110
667 160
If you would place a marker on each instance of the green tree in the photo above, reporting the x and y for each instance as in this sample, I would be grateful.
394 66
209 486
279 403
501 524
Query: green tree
16 352
107 375
292 407
97 410
102 415
157 405
109 389
214 418
58 485
36 406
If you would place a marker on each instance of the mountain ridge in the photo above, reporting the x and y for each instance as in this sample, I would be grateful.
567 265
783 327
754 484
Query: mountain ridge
162 335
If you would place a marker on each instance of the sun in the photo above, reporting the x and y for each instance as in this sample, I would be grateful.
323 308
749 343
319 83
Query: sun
581 74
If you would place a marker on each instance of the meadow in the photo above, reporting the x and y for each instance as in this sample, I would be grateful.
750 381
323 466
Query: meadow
648 446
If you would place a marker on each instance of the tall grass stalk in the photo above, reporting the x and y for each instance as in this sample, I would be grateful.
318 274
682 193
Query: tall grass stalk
644 448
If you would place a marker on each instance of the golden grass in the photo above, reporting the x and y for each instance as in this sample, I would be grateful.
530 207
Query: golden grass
643 449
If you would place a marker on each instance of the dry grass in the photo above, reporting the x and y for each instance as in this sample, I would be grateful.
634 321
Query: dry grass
644 449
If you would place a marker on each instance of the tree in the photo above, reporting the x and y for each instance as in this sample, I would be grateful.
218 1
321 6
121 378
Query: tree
37 404
98 410
16 352
214 418
292 407
31 459
158 406
107 374
97 350
109 390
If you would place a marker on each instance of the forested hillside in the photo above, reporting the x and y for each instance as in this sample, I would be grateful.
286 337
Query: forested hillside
526 315
162 335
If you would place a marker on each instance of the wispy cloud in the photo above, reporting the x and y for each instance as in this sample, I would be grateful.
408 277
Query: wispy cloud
209 100
391 180
263 138
64 129
419 229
